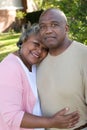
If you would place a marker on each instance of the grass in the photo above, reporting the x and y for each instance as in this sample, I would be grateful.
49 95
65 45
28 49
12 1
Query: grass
8 43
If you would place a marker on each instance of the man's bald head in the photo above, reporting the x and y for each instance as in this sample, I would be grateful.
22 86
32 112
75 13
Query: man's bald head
58 12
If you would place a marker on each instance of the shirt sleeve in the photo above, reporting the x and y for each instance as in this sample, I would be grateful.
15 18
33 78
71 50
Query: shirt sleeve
84 81
11 107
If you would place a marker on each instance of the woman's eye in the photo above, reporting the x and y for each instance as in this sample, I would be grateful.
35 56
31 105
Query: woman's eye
45 49
35 43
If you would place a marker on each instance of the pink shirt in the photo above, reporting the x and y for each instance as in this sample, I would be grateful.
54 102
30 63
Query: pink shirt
16 95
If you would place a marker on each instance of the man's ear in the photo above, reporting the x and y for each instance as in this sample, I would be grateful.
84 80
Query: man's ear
67 28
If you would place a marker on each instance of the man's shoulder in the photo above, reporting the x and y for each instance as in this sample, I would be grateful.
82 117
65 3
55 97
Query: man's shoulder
80 46
10 63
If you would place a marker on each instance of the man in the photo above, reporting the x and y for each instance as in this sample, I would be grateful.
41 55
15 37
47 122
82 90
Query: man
62 76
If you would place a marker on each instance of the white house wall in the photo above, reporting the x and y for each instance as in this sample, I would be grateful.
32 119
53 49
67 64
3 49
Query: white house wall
8 10
10 4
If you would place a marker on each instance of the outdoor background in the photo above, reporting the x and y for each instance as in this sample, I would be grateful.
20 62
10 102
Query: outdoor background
75 10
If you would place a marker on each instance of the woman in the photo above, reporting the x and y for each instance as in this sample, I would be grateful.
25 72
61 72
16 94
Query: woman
19 103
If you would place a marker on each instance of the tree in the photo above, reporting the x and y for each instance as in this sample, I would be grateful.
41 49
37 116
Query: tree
76 12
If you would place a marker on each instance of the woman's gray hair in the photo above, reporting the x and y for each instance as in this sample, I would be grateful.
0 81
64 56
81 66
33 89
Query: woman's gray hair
34 29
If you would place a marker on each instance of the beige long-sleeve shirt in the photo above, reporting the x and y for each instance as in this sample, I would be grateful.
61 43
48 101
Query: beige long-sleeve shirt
62 82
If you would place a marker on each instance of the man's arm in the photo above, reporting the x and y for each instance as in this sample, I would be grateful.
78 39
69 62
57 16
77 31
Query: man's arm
59 120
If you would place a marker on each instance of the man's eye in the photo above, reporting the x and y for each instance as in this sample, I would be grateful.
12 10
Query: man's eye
42 27
55 25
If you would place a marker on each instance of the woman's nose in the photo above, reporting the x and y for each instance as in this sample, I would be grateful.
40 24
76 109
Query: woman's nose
39 50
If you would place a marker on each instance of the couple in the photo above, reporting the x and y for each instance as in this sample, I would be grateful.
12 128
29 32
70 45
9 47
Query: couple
19 102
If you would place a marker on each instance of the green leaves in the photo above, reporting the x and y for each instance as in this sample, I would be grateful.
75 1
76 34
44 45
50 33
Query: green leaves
76 12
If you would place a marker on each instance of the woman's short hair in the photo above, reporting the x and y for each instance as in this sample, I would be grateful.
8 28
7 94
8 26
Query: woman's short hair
34 29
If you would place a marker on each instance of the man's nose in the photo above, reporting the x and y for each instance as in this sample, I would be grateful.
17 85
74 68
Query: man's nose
48 29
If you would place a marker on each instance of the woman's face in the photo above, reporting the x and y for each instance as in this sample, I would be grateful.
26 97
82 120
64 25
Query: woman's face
33 51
